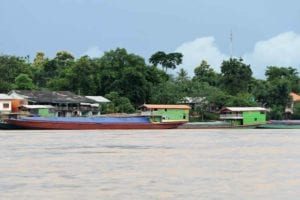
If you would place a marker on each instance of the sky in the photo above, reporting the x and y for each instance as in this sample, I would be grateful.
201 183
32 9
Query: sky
264 32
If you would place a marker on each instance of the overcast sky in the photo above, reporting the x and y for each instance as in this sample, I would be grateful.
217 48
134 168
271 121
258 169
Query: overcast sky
265 32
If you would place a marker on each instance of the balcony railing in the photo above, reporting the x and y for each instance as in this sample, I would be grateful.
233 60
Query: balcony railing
231 116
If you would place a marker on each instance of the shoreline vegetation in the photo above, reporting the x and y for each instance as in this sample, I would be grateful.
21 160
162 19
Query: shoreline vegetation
129 81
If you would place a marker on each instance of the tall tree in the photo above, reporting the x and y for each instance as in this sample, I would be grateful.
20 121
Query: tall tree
128 75
82 76
167 61
132 85
39 60
236 76
183 81
204 73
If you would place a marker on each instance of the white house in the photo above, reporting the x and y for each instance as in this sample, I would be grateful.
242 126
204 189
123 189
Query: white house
5 104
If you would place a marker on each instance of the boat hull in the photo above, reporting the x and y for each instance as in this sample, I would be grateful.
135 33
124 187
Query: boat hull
215 125
32 124
279 126
7 126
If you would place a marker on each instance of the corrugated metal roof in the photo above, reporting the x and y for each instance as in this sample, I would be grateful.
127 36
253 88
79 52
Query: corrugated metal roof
99 99
5 96
43 97
14 95
37 106
165 106
295 96
241 109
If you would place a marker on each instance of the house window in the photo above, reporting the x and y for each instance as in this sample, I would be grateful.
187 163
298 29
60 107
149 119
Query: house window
6 105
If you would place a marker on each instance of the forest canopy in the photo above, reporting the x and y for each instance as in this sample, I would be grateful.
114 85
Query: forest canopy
130 80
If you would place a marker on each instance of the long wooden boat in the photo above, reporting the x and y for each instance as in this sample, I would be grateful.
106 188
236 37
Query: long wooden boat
278 126
84 123
215 125
284 122
281 124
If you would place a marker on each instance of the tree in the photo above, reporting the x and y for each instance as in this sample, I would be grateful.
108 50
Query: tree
279 93
128 75
155 76
274 73
236 76
167 61
290 74
37 68
118 104
24 82
11 67
39 60
132 85
166 93
183 82
204 73
112 65
182 75
259 89
276 112
51 73
82 76
296 114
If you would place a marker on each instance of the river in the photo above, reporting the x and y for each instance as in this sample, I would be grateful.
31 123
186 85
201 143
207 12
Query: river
147 164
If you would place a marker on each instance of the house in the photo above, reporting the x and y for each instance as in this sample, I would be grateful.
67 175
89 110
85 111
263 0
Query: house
38 110
243 116
65 103
294 98
17 102
167 112
5 104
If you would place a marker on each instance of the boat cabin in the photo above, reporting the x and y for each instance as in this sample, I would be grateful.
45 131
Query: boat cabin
243 116
166 113
38 110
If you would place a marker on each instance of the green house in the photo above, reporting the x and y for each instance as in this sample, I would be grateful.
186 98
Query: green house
166 113
244 116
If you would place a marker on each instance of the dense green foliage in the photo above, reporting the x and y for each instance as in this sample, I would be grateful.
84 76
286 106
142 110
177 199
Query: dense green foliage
235 76
128 81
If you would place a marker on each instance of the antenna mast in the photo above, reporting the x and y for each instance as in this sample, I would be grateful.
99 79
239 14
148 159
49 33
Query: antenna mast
231 44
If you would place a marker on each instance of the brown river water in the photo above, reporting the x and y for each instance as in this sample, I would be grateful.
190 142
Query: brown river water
147 164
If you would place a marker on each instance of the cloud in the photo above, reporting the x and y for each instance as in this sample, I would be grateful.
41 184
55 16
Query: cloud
201 49
281 50
93 52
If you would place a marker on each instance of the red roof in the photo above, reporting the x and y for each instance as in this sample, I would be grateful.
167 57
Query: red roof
295 96
166 106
